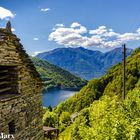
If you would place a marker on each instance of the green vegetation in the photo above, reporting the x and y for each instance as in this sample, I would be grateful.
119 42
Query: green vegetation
55 77
137 50
109 84
102 112
109 119
50 118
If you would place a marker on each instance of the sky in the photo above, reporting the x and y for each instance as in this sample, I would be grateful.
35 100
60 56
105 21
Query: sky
44 25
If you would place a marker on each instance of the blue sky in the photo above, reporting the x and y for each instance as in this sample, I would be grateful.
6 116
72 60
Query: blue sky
86 23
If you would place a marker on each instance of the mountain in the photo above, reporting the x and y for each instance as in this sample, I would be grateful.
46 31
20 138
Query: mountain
55 77
84 63
99 110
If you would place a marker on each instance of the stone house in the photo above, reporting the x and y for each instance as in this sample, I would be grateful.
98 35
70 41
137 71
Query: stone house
20 91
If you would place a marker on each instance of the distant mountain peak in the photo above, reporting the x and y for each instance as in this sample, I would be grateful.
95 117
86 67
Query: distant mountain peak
83 62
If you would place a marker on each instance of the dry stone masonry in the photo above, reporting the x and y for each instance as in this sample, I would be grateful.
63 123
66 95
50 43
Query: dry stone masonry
20 91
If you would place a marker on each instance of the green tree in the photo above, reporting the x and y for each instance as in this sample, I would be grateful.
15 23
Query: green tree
50 119
64 120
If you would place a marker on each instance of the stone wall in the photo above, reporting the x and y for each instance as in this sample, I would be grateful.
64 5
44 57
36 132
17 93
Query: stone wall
24 108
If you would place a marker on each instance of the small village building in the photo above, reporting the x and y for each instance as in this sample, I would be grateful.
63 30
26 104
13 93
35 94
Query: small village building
20 91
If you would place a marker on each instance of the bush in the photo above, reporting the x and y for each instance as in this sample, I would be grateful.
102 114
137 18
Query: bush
64 120
50 119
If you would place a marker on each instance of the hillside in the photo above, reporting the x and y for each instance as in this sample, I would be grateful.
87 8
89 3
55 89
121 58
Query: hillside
55 77
109 84
102 112
87 64
108 118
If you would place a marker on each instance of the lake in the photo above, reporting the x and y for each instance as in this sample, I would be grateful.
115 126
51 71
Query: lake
54 97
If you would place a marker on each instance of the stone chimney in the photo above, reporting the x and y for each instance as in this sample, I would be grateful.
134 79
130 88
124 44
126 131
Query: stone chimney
8 27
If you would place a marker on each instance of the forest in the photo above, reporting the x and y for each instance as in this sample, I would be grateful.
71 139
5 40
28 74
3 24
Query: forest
56 77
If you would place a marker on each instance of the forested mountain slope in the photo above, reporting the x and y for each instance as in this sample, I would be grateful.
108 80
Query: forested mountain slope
55 77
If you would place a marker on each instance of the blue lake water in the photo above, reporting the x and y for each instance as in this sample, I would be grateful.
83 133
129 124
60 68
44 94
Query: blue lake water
54 97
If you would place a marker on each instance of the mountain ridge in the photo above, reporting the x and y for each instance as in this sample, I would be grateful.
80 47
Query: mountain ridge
82 62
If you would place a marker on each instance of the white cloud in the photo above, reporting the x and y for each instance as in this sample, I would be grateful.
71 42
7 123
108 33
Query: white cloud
35 53
138 30
78 27
5 13
129 37
13 29
74 36
68 36
45 9
59 25
35 38
75 24
99 31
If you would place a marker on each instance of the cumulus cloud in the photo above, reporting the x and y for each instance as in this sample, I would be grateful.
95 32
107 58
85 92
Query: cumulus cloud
75 24
68 36
99 31
35 39
77 35
5 13
45 9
